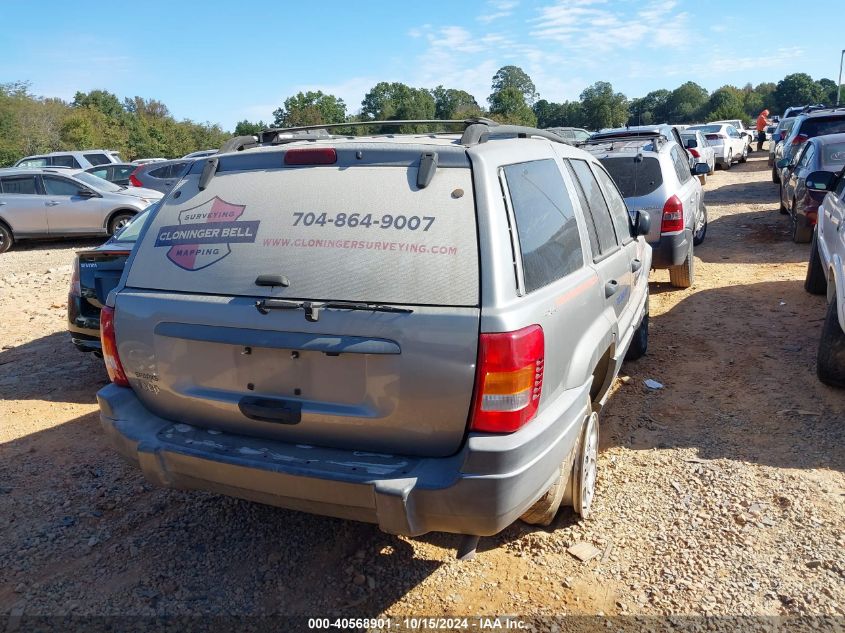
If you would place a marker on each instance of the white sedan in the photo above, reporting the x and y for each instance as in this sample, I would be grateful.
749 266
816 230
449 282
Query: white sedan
727 143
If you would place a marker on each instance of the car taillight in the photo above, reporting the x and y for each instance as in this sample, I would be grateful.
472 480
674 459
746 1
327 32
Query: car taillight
133 179
694 152
508 379
75 288
713 137
109 343
798 140
673 216
308 156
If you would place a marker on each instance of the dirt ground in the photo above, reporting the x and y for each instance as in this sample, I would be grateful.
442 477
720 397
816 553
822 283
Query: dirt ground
721 493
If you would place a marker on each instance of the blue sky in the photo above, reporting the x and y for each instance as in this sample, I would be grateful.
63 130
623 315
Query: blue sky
224 61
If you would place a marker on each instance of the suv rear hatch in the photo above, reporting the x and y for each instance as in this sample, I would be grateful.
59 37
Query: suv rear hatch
227 320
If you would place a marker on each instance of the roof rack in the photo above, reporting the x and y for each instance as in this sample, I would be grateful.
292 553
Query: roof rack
476 130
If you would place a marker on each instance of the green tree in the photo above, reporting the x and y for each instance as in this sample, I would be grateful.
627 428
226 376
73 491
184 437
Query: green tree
247 128
725 103
101 100
685 103
508 106
652 108
603 107
396 101
450 103
310 108
826 91
514 77
795 90
566 114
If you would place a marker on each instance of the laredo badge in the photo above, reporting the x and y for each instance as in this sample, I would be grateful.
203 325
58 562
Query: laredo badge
204 234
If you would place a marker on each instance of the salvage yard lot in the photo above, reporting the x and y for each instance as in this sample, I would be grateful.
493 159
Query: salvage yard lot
721 493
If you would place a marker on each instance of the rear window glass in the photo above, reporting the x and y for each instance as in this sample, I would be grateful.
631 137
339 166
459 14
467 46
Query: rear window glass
97 159
819 127
361 233
708 129
64 161
634 176
833 155
545 222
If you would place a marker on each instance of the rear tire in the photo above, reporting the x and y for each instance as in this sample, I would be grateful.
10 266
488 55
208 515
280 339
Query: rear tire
744 156
6 238
639 343
682 276
830 363
585 470
815 282
698 236
119 220
545 509
775 175
801 232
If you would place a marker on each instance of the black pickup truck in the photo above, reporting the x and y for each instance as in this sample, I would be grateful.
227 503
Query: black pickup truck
95 273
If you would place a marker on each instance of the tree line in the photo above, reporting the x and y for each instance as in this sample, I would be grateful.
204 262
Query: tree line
143 128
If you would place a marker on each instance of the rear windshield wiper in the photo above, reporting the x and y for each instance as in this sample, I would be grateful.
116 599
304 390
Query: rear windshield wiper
312 308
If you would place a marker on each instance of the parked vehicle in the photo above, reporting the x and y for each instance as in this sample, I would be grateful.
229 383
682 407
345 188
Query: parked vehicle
728 146
822 153
117 173
776 145
749 136
201 153
649 166
49 203
699 147
95 273
826 273
75 160
572 135
146 161
794 111
392 339
160 176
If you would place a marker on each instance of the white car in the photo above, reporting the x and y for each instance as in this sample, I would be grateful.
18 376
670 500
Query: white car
826 271
728 144
701 150
750 136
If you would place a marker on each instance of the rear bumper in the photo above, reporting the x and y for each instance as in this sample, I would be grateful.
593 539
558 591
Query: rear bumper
480 490
84 330
670 250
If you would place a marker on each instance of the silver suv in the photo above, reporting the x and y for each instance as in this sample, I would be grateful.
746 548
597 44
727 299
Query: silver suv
413 330
651 168
49 203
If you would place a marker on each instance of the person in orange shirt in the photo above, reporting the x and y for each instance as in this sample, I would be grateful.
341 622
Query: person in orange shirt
762 122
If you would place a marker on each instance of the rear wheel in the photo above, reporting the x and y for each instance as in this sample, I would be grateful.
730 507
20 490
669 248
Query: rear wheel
119 220
815 282
802 231
585 471
744 156
830 363
775 175
6 239
681 276
700 227
728 161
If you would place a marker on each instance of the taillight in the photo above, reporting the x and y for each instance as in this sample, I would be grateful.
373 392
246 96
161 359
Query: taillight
508 380
133 179
798 140
75 287
107 338
713 137
309 156
673 216
695 153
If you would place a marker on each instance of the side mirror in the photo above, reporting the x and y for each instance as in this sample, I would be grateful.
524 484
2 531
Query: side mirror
700 169
783 163
821 181
643 225
85 193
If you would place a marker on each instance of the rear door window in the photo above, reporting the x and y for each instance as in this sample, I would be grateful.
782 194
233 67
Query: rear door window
100 173
19 185
356 233
545 222
64 161
594 202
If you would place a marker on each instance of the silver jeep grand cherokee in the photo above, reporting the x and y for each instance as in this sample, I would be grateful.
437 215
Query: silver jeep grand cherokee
414 330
